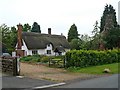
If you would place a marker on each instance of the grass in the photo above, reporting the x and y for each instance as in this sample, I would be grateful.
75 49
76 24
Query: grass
96 69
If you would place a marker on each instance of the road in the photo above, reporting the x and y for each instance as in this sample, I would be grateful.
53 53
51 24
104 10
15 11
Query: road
102 82
30 84
25 83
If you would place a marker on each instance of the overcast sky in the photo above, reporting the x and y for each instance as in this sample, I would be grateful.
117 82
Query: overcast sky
58 15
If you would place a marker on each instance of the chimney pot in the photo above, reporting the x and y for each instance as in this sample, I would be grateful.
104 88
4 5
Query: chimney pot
19 26
49 31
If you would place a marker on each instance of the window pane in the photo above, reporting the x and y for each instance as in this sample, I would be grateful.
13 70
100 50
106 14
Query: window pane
48 51
34 52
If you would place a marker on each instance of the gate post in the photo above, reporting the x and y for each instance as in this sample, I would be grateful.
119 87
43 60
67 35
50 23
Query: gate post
16 67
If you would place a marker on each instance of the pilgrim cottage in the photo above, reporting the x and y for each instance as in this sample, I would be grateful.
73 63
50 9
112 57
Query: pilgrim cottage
30 43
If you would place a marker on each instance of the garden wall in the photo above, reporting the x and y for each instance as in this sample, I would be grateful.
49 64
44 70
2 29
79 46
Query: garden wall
10 66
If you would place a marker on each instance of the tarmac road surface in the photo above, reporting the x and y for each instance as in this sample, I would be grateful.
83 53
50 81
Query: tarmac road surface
24 83
102 82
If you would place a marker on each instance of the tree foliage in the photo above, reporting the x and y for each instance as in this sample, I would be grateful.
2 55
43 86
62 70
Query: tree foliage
85 42
112 39
9 37
96 38
91 43
26 27
73 33
35 27
108 10
75 44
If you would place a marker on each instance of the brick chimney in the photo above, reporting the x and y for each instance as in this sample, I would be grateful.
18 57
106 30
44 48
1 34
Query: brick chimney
19 36
49 31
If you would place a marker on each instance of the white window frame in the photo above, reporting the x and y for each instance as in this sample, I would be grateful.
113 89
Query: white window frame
34 52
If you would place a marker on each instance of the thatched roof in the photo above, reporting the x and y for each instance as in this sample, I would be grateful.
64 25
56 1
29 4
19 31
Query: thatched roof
59 49
40 41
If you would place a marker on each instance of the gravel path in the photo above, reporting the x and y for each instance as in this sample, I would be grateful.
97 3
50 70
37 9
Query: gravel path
54 74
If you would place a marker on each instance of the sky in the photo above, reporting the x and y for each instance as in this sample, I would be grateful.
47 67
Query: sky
58 15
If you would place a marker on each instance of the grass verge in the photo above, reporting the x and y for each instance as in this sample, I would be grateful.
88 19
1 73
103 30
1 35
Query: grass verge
96 69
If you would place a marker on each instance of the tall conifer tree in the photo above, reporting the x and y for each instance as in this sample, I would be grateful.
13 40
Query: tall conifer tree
73 33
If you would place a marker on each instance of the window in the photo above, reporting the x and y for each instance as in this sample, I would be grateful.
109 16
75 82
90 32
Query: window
48 51
34 52
48 45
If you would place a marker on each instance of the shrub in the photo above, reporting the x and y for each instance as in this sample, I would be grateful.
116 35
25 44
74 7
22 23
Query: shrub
45 59
29 58
85 58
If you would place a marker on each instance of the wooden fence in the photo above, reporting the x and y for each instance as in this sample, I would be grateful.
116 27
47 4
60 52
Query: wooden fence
57 62
10 66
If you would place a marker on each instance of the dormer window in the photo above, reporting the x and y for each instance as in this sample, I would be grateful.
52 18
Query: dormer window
48 45
48 51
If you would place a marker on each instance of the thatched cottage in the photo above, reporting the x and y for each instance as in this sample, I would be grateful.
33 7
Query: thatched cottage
30 43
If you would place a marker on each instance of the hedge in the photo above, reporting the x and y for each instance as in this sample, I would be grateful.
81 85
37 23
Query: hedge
85 58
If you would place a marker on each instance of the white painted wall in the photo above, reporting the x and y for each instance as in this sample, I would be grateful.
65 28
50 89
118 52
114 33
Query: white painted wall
29 52
41 51
24 47
13 54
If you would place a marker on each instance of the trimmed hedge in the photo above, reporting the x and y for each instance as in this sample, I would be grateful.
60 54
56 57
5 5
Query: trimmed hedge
85 58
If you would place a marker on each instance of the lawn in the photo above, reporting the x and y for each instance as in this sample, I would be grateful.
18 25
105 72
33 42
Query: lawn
96 69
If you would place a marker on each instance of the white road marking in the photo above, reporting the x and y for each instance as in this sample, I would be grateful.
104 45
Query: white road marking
47 86
20 76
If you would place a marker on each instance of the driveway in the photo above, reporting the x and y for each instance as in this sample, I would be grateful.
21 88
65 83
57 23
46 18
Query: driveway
54 74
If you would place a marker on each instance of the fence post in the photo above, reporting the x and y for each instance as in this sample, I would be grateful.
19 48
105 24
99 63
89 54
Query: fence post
49 62
18 66
64 60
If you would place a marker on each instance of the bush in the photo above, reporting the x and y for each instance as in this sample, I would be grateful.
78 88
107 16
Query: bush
45 59
85 58
29 58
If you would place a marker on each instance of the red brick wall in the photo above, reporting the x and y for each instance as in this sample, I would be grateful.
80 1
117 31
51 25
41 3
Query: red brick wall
20 53
19 36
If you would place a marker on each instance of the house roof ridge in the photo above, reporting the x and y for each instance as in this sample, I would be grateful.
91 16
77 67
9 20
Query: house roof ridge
35 33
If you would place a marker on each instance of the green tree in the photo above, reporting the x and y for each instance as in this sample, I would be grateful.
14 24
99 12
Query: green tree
95 31
108 10
13 37
73 33
85 40
75 44
93 41
112 39
26 27
35 27
96 38
9 37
